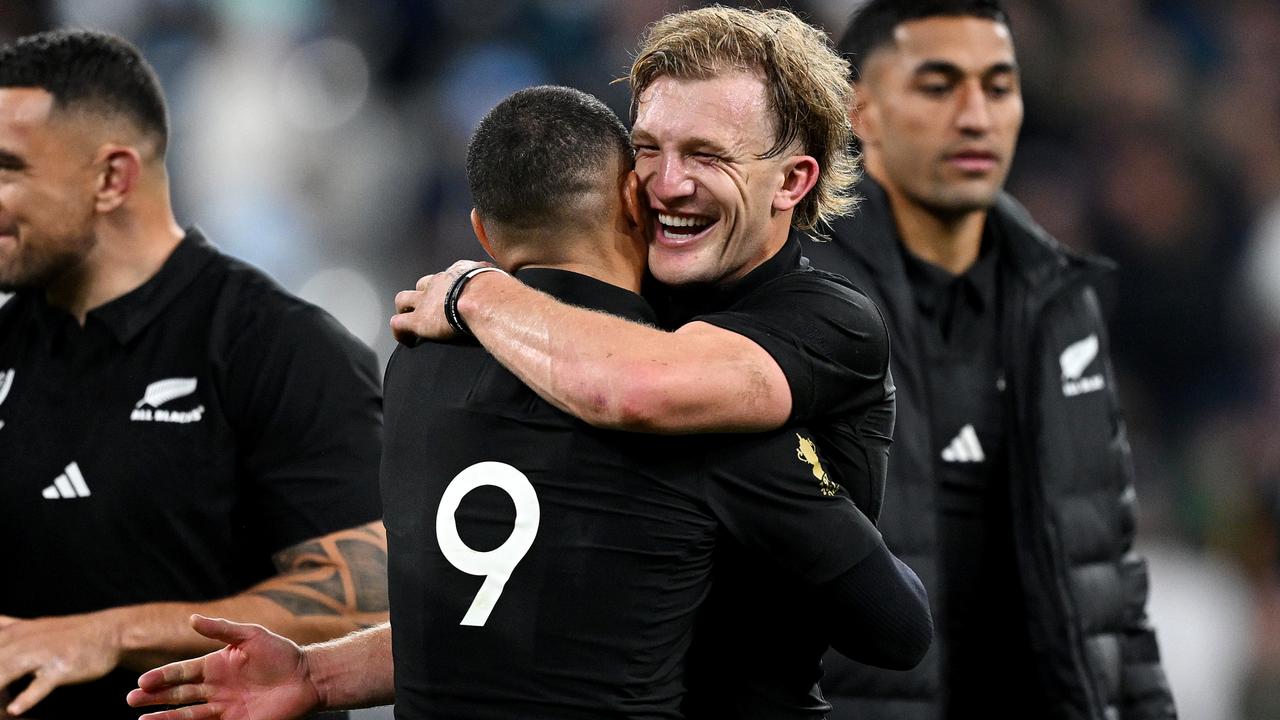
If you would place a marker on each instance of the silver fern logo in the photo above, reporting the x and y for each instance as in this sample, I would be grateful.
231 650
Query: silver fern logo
1074 361
164 391
6 382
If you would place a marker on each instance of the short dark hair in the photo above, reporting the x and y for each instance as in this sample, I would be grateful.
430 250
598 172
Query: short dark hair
88 69
537 151
873 24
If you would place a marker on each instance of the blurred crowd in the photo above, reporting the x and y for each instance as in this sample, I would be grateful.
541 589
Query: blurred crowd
324 140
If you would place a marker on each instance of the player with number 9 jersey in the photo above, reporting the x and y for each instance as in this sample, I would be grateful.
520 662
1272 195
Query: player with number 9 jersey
544 568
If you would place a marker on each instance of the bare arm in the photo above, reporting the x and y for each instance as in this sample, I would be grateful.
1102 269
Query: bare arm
259 675
608 371
326 587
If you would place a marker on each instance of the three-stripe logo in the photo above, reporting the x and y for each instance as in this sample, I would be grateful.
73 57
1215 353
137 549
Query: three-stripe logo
70 484
964 448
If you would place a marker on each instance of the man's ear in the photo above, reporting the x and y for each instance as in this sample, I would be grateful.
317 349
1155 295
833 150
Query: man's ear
477 226
631 205
119 172
864 114
800 175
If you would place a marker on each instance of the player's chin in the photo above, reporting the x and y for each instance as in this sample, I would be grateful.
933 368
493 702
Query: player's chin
678 268
964 197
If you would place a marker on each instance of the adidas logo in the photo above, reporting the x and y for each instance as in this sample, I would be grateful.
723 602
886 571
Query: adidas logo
964 448
68 485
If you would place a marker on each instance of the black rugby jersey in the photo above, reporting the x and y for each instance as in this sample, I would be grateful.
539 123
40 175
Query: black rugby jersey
544 568
164 451
832 344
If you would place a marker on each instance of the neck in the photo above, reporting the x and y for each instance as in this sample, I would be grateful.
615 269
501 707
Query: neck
952 242
129 251
619 262
624 280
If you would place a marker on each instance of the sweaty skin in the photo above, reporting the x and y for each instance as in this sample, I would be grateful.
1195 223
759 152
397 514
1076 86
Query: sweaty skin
699 145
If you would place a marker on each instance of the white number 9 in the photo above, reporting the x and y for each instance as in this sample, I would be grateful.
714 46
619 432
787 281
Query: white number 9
496 564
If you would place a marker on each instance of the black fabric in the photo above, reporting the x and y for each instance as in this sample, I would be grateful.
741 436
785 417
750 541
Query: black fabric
825 334
595 618
831 343
268 436
879 605
988 651
1069 480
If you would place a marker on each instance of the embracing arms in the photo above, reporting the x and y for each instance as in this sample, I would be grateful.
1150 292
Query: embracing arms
608 371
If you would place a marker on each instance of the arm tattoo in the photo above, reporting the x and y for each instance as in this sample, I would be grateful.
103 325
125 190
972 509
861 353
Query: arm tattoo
343 573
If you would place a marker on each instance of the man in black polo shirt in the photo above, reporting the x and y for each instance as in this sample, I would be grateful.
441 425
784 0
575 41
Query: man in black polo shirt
1010 488
542 567
176 432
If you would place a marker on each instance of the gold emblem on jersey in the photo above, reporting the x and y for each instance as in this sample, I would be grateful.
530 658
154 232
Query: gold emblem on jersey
808 452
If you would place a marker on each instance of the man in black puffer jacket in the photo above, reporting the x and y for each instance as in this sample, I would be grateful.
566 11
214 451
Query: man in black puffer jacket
1010 488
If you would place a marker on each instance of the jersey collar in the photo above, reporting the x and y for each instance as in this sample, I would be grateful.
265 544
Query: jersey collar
689 301
588 292
131 313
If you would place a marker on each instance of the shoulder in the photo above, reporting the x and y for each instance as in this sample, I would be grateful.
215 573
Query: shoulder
253 309
1041 258
1027 237
821 295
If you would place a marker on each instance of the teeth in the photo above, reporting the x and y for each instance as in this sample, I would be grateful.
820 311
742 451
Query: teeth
677 221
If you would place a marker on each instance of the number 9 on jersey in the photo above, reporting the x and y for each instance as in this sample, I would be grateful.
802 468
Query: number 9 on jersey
497 564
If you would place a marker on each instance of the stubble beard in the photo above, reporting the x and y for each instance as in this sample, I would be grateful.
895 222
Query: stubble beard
38 266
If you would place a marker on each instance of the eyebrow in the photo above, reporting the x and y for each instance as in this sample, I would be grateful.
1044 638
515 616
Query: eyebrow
10 161
693 142
951 70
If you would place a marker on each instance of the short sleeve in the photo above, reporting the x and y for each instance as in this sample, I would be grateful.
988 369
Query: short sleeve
829 339
772 493
303 398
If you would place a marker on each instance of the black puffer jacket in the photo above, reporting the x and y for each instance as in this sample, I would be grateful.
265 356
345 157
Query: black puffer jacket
1070 475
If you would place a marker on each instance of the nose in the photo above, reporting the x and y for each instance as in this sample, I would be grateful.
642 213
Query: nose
672 180
974 114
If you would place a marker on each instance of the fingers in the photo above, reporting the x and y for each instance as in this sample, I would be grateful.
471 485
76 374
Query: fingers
41 685
187 671
231 633
402 330
15 664
407 300
423 282
192 712
176 695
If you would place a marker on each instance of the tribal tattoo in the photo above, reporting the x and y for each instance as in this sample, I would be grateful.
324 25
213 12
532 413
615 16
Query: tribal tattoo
343 573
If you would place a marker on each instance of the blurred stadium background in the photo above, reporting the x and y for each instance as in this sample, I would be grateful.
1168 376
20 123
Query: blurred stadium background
324 141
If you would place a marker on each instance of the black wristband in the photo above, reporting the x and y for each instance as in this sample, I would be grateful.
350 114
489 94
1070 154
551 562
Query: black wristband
455 291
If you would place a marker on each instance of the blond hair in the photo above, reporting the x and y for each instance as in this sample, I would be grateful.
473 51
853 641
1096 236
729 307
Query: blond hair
805 79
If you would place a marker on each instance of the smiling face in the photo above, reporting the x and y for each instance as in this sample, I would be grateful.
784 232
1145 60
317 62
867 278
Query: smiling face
719 209
46 191
939 112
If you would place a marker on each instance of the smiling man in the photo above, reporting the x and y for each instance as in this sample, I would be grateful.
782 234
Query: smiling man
730 152
592 586
177 433
1010 486
741 131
